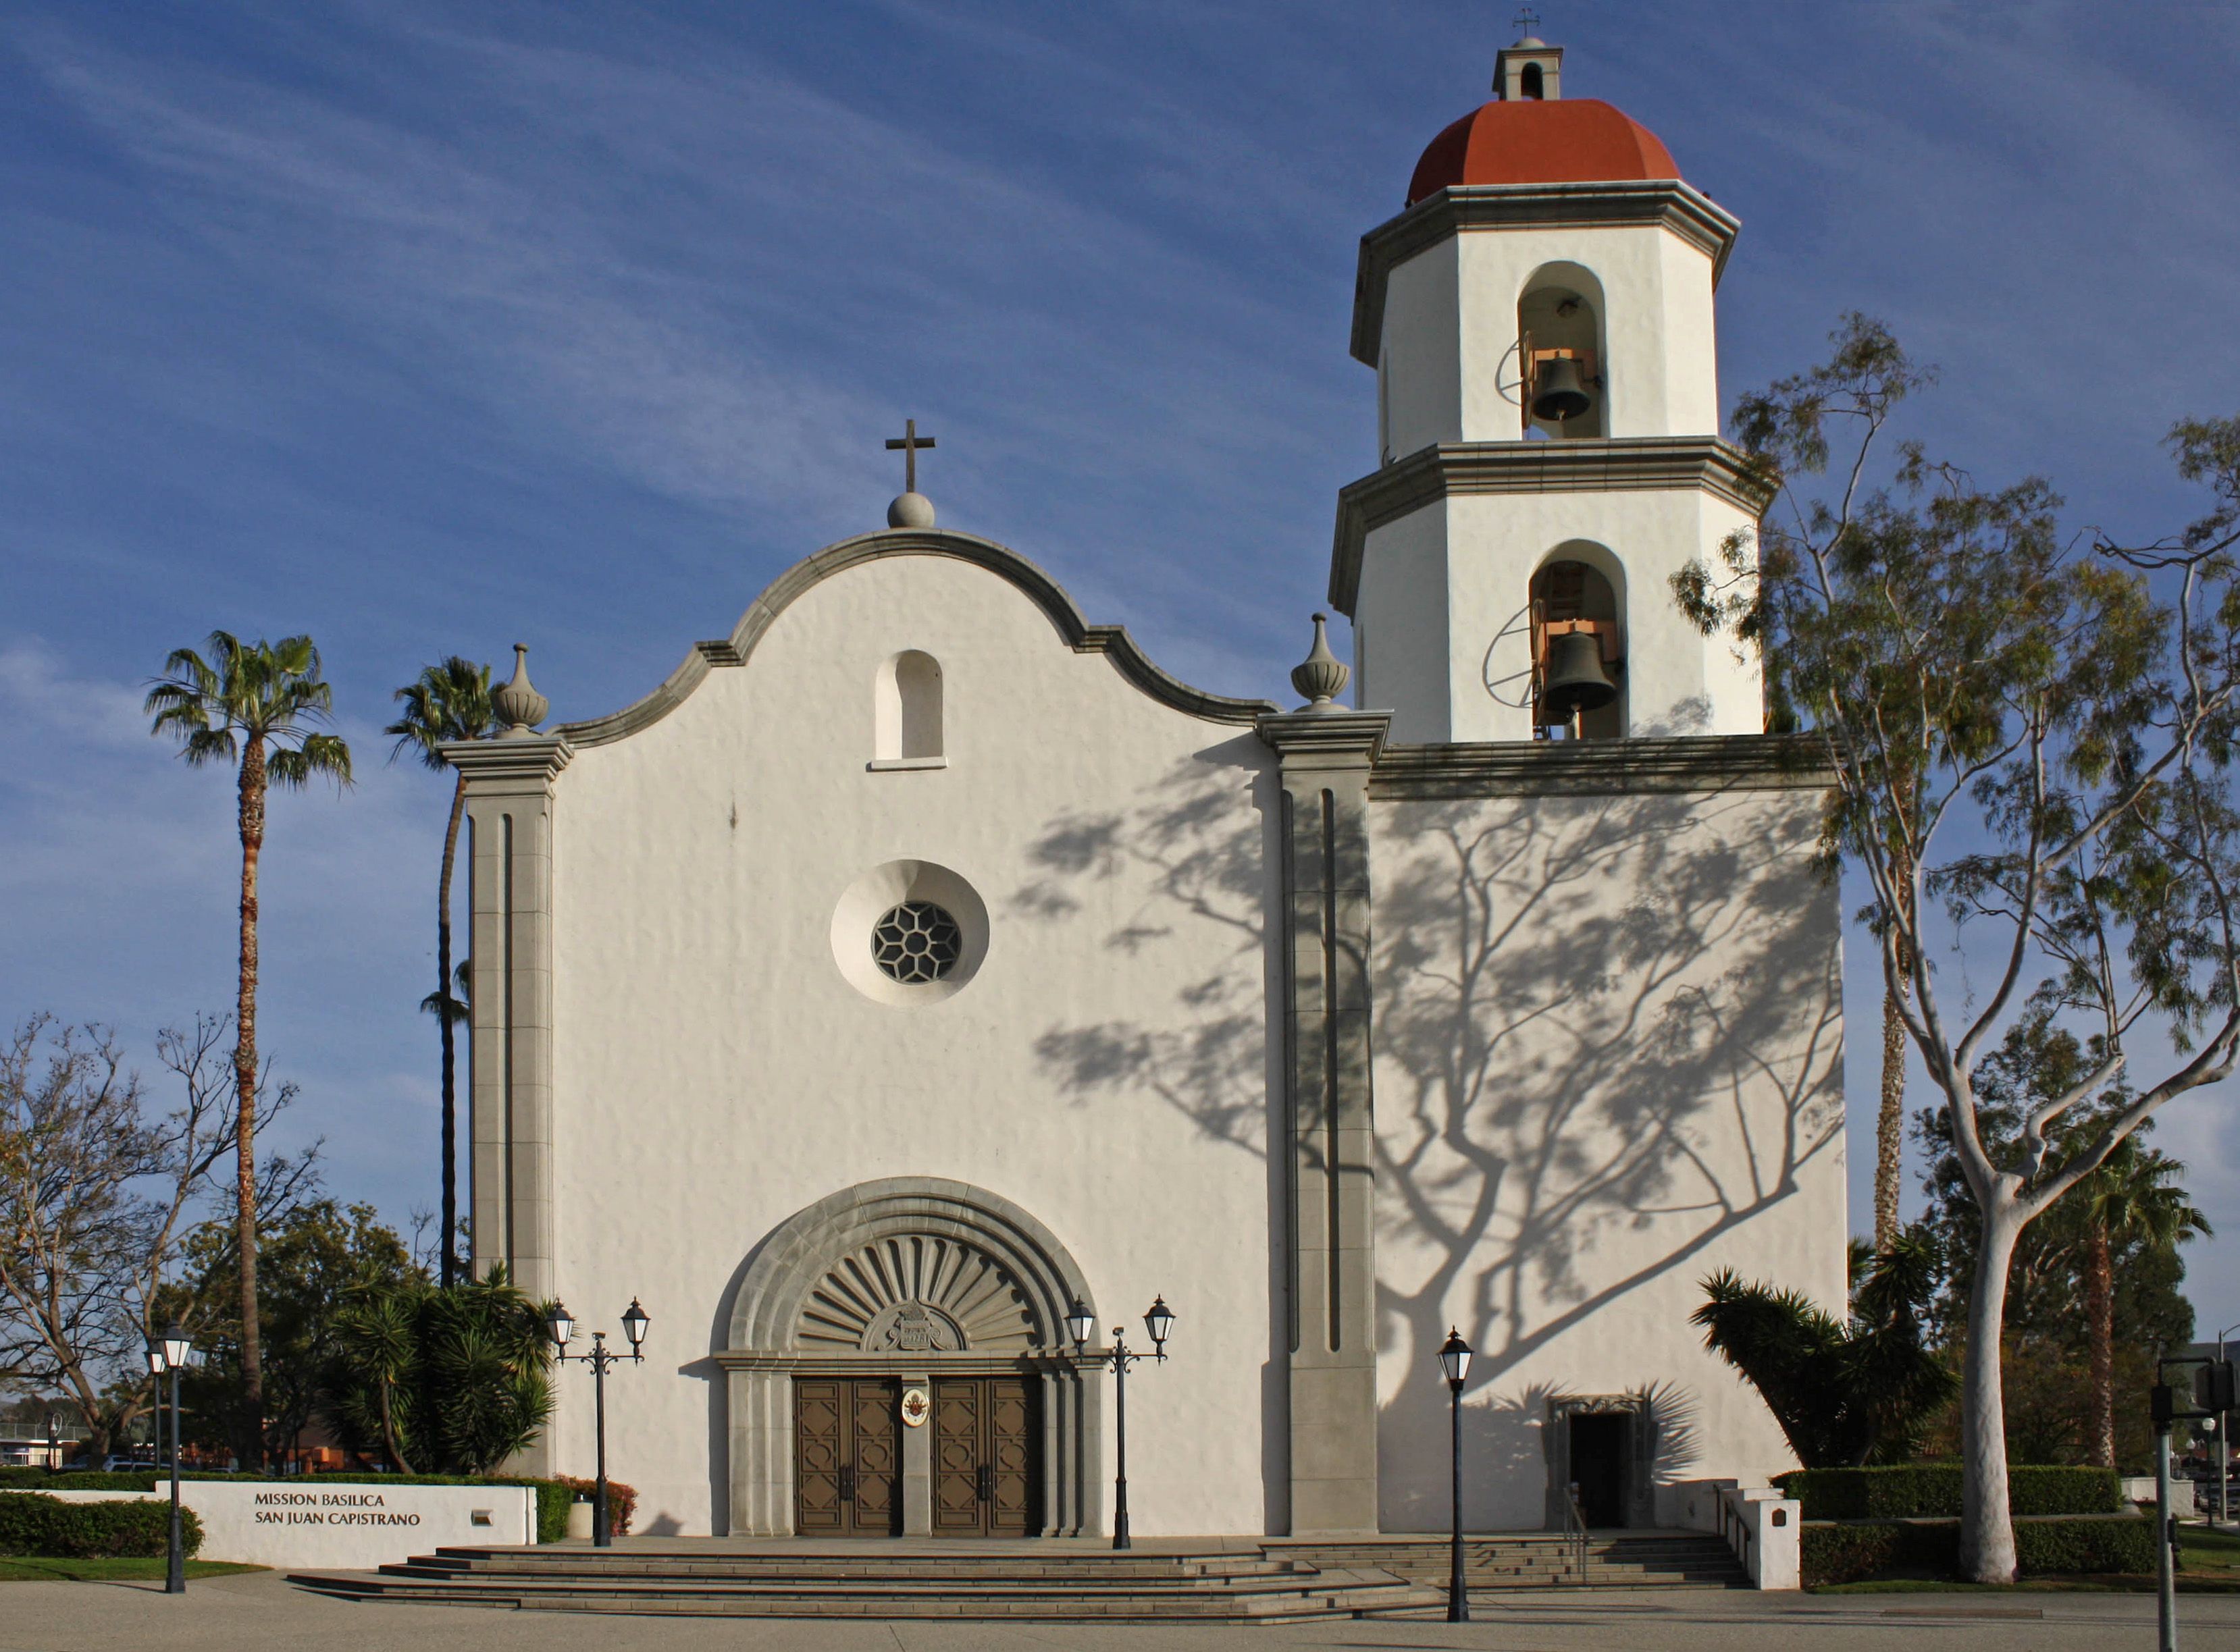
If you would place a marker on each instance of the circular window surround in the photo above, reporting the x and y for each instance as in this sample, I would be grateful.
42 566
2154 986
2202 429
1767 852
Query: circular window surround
876 893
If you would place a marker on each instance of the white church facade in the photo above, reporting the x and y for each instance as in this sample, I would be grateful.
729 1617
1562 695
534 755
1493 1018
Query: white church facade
920 961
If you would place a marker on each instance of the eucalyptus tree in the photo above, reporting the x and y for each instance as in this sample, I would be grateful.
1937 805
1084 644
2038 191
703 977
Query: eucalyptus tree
256 706
446 702
2031 738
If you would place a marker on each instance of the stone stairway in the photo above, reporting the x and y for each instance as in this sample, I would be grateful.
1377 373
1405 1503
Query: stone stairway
1536 1560
1009 1583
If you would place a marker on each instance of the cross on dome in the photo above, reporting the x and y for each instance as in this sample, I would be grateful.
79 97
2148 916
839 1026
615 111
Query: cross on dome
909 442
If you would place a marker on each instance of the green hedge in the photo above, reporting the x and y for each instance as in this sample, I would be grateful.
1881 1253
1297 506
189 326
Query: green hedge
76 1480
1843 1552
1931 1491
33 1523
553 1496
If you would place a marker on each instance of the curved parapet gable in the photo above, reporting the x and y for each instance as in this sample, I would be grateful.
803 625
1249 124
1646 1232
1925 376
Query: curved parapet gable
1113 641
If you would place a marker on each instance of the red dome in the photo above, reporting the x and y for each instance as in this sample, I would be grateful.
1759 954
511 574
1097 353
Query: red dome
1568 140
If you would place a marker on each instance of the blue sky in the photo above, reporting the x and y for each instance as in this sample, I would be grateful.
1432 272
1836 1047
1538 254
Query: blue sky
430 329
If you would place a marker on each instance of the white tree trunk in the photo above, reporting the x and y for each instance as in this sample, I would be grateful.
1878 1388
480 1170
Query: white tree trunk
1987 1534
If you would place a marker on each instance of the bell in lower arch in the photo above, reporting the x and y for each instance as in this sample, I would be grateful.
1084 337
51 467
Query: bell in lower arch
1560 393
1576 681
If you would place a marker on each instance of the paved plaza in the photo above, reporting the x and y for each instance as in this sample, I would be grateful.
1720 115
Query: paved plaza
261 1609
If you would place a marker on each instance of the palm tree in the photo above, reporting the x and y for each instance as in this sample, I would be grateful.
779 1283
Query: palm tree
253 703
1845 1392
445 703
2132 1199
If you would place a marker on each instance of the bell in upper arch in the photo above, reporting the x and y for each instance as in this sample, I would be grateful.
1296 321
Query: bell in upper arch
1575 681
1558 392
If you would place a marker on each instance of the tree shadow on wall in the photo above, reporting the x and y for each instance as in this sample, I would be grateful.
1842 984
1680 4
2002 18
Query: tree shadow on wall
1200 842
1607 1033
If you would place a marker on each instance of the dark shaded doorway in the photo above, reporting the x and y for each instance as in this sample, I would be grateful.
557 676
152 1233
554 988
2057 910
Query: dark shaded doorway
847 1456
1600 1443
987 1457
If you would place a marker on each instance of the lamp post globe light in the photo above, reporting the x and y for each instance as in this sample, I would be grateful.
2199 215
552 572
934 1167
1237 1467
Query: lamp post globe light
1158 1320
166 1356
1455 1364
560 1325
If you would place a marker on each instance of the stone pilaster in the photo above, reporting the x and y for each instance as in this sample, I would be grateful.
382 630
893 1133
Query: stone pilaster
509 812
1327 756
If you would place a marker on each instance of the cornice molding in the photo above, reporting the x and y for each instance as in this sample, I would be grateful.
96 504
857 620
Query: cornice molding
1331 738
1541 768
1679 207
509 763
1607 464
1112 640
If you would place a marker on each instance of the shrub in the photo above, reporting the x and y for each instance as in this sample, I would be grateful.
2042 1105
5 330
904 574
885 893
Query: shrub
74 1479
1842 1552
1931 1491
621 1501
33 1523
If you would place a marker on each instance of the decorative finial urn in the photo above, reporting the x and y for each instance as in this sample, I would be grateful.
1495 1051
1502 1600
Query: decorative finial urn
519 706
1321 676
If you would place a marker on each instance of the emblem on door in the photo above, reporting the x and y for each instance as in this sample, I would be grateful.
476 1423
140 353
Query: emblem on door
917 1407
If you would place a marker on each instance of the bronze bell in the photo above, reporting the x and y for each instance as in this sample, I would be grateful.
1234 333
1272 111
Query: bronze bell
1575 681
1559 393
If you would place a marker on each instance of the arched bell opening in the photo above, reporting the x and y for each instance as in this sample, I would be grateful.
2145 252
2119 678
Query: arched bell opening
1578 646
1564 387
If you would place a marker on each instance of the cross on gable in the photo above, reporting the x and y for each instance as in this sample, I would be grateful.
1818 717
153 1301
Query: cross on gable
909 442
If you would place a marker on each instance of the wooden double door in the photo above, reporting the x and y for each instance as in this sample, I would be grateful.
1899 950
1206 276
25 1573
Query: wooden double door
848 1457
987 1457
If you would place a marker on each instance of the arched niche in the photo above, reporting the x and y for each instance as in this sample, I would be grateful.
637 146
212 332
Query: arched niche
914 1277
906 710
1581 580
1560 309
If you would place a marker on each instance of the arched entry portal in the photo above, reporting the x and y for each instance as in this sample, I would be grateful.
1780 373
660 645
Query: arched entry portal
909 1286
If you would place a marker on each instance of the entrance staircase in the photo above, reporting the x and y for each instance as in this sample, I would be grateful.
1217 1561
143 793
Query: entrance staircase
957 1581
1537 1559
1273 1579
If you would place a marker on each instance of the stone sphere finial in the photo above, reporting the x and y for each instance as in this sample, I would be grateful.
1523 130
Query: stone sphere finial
518 705
911 510
1320 676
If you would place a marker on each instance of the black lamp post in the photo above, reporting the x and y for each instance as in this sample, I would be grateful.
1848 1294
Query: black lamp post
167 1354
562 1327
1455 1361
1158 1320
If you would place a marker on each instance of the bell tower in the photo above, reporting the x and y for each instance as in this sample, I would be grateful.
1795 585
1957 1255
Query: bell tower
1540 318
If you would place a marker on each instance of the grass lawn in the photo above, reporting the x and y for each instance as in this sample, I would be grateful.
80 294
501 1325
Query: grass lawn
2209 1564
26 1568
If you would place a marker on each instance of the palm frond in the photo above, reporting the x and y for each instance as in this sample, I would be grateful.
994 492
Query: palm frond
448 701
319 754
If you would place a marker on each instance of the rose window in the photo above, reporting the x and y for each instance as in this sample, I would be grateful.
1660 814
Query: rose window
915 941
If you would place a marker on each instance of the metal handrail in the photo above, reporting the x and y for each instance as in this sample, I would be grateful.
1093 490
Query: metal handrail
1574 1531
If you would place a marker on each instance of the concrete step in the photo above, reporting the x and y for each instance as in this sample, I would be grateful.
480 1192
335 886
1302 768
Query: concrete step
1056 1586
1537 1559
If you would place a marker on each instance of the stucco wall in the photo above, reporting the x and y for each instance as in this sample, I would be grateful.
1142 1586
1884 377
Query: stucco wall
1451 329
1107 1068
1445 642
1608 1063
